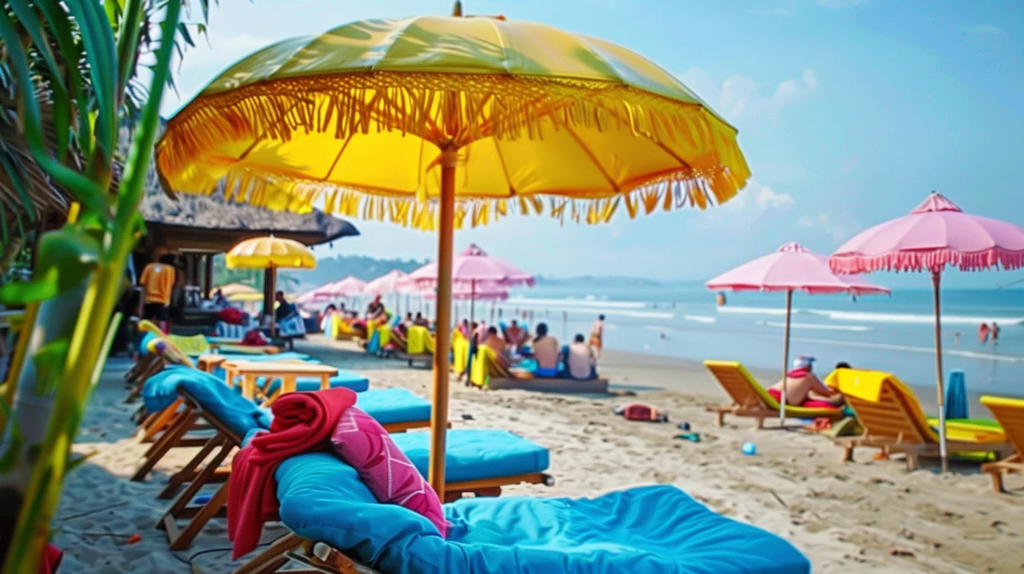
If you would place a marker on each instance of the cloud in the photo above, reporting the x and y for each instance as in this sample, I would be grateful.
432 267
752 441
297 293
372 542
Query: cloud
841 3
984 30
758 198
740 97
822 222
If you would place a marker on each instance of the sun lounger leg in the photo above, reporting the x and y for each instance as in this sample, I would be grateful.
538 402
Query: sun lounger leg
848 452
720 418
165 443
188 473
273 557
911 460
200 480
182 540
758 423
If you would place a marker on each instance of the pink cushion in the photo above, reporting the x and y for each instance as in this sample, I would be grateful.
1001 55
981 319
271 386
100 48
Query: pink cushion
363 444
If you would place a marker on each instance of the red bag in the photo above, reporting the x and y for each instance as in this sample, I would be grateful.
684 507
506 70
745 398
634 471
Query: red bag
255 339
641 412
233 316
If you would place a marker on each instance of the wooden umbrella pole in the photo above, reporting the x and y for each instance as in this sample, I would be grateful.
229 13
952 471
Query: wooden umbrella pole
785 359
273 297
439 412
936 280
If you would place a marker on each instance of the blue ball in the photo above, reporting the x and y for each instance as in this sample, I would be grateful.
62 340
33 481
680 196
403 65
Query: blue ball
749 448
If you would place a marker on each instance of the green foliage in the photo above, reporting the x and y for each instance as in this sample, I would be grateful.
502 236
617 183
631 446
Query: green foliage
71 69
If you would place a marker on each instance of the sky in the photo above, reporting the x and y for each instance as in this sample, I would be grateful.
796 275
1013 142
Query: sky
849 113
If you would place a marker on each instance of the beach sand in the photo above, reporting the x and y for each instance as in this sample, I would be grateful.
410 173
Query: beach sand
866 515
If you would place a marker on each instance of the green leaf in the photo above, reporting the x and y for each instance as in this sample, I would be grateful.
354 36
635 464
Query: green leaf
128 43
60 26
49 363
9 460
183 30
77 460
100 54
83 189
61 106
64 259
15 174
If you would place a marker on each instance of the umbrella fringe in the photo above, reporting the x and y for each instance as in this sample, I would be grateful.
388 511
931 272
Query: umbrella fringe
932 260
440 108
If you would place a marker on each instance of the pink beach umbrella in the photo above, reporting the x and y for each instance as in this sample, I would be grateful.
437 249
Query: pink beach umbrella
347 287
482 291
791 268
318 295
935 234
393 282
471 268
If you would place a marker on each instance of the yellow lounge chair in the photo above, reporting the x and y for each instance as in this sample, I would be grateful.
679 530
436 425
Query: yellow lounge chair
749 399
893 420
1010 415
419 346
487 365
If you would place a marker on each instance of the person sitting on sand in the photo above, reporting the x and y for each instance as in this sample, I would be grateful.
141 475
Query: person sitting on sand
494 341
515 334
375 310
581 361
803 385
420 320
545 350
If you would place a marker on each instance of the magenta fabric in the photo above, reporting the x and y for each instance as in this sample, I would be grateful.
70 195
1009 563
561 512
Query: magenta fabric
472 267
811 404
791 268
363 444
935 234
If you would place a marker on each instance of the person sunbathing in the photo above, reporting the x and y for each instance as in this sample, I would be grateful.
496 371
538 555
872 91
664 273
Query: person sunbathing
804 388
515 334
545 350
494 341
581 362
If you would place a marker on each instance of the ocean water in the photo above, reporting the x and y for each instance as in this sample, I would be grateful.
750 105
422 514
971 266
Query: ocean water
889 333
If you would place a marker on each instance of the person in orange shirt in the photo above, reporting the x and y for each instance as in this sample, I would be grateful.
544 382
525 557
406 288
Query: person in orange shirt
157 282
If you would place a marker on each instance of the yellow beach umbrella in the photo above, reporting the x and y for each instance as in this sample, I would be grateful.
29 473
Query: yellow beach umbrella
440 122
270 253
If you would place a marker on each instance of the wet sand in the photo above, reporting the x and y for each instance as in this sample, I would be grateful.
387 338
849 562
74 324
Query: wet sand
866 515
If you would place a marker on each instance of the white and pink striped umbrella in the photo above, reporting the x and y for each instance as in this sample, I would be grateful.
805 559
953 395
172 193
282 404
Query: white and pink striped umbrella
936 234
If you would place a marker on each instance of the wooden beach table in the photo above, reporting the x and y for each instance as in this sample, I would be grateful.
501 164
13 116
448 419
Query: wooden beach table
286 371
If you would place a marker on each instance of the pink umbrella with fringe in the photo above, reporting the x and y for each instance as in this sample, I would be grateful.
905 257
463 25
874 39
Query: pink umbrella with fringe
790 268
471 269
935 234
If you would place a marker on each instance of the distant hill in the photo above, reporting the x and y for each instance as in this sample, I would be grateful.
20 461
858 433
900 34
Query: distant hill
341 266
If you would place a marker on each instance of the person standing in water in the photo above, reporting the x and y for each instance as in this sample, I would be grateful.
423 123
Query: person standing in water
995 333
597 336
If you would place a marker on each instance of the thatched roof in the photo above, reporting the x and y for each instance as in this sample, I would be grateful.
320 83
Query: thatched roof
209 223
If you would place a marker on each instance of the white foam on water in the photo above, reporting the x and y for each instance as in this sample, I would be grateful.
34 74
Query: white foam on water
819 326
753 310
911 318
588 303
700 319
930 350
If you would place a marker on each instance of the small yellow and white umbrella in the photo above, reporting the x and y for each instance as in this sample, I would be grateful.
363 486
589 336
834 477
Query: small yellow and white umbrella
270 253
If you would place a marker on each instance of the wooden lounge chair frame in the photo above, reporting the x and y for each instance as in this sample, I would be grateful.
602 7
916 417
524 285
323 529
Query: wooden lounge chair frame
323 558
203 470
744 389
1010 415
426 358
889 424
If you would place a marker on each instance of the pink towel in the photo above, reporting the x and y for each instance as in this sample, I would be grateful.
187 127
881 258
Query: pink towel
303 422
